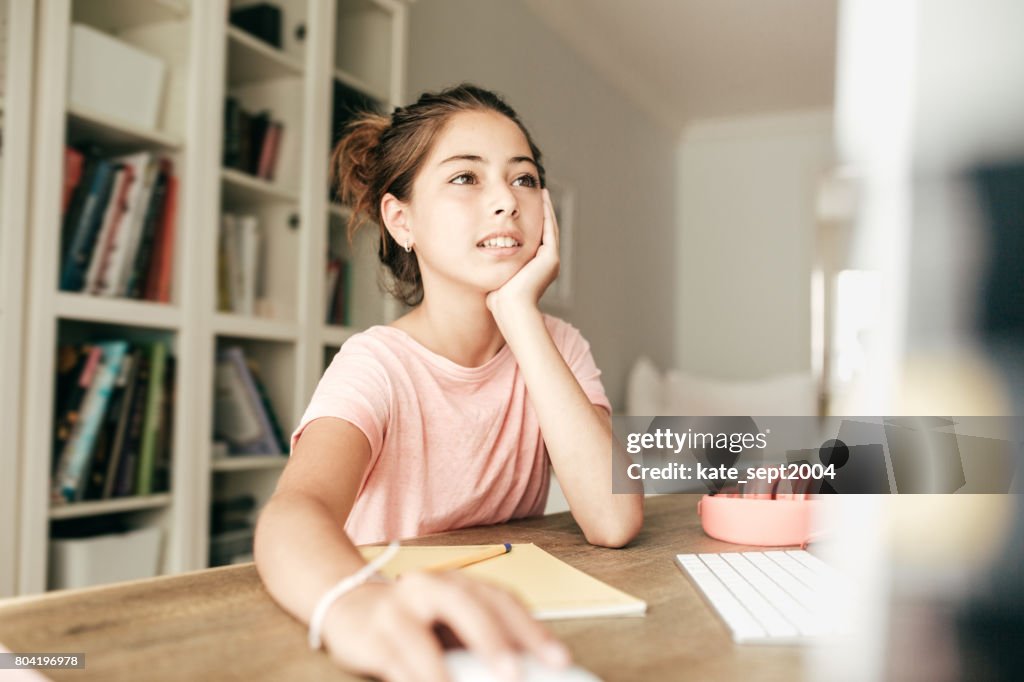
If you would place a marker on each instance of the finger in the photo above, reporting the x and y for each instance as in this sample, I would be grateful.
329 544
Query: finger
420 650
550 221
527 631
435 598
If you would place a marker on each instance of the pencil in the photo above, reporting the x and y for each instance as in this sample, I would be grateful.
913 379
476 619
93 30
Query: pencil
474 558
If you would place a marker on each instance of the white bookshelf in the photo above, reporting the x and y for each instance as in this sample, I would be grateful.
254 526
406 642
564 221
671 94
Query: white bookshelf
17 19
288 339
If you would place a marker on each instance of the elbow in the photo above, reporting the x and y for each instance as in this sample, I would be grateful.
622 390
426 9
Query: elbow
616 533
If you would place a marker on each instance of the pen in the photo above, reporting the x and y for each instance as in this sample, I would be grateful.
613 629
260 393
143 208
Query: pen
476 557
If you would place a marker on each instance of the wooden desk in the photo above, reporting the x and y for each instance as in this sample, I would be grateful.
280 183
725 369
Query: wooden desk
220 624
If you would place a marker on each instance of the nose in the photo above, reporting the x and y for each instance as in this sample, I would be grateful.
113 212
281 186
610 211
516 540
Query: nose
504 202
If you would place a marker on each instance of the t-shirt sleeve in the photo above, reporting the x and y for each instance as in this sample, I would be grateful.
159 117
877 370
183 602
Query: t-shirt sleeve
355 388
576 351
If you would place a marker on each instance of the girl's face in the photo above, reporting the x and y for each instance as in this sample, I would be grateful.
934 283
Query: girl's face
476 212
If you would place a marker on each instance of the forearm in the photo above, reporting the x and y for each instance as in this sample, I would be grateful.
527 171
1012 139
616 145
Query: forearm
578 435
301 551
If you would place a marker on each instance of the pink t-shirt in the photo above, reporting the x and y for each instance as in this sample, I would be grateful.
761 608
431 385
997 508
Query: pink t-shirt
450 446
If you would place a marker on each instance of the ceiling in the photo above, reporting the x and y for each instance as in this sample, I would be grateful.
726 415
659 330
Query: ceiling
691 59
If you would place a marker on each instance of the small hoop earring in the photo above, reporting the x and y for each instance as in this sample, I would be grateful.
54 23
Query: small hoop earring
408 248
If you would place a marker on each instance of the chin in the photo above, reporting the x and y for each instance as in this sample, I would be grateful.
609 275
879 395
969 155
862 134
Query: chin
490 281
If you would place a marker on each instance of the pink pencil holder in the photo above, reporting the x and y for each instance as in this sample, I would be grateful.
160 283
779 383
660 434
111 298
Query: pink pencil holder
760 522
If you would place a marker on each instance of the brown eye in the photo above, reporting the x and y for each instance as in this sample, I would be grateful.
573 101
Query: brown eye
527 181
468 177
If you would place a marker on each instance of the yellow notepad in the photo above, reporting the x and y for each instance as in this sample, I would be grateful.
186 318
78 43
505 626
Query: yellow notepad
550 588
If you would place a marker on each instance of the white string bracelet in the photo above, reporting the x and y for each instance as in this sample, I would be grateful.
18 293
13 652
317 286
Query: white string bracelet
347 584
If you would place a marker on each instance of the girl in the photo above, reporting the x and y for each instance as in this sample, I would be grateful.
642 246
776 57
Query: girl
449 416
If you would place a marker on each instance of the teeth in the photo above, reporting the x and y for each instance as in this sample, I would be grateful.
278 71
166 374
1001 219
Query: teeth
499 243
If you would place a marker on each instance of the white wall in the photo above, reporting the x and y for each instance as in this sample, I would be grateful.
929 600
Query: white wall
621 163
746 246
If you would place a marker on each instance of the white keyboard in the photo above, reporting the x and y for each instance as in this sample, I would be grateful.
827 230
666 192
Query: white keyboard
778 597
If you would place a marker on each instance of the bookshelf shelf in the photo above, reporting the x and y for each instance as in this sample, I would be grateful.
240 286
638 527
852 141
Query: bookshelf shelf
249 462
252 60
334 335
120 15
118 311
114 506
358 85
242 188
243 326
86 125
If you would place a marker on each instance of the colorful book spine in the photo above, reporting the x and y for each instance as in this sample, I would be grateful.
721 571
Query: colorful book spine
104 442
158 282
109 278
117 446
116 209
152 426
87 359
78 451
137 280
82 236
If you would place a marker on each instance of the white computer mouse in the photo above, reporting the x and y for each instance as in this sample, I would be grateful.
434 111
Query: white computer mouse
464 666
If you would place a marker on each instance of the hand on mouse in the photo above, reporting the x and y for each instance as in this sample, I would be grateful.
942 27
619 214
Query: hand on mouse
390 630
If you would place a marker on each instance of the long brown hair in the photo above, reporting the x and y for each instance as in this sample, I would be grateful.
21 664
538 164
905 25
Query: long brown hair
380 154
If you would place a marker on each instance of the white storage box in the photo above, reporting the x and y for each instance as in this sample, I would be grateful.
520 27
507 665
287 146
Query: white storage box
81 562
112 78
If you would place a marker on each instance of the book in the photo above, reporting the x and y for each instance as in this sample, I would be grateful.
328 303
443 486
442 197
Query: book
268 151
233 269
134 228
158 283
259 124
245 151
110 276
152 426
74 165
268 407
550 588
223 267
108 430
76 457
76 367
109 281
73 212
117 445
140 267
124 483
82 234
239 415
162 465
249 242
115 209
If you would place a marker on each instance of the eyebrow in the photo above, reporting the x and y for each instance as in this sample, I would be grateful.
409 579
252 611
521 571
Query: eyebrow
480 159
